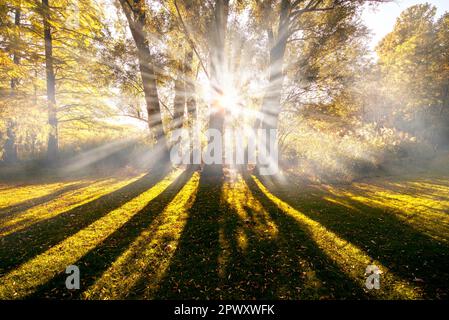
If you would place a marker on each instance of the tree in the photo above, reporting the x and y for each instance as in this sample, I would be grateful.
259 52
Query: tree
413 66
76 31
136 14
10 152
217 38
298 20
51 84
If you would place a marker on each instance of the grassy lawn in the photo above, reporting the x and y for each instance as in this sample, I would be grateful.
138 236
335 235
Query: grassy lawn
183 235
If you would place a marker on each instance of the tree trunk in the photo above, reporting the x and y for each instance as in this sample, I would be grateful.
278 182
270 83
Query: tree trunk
218 68
136 16
10 147
272 99
191 106
52 151
271 103
179 102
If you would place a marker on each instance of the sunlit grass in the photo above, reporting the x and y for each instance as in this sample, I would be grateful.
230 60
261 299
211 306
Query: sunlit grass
421 204
233 239
62 203
253 219
251 212
14 194
350 258
262 247
150 255
23 280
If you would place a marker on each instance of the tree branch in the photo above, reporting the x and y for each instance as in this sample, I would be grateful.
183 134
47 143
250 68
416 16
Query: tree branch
189 39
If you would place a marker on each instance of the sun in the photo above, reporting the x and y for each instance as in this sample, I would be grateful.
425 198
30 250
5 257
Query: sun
226 97
229 99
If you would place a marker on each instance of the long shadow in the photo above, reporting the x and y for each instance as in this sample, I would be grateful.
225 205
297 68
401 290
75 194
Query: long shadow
193 272
294 265
210 264
404 250
23 245
27 204
94 263
256 268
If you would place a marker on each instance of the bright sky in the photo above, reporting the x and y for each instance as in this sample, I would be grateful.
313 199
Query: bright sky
382 19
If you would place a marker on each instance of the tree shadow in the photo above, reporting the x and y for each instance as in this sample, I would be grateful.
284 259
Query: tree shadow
404 250
94 263
209 263
192 273
27 204
295 267
39 237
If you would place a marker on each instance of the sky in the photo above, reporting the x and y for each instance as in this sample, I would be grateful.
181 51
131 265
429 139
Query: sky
382 19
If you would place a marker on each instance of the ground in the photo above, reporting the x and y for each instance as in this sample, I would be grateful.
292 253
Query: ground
183 235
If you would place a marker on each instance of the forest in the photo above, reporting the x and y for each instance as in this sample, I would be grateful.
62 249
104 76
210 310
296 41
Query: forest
223 149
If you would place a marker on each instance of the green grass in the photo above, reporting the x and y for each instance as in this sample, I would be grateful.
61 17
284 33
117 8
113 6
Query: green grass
182 235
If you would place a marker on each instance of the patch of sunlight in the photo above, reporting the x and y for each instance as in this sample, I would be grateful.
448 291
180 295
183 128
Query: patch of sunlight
61 204
225 254
254 216
13 195
440 180
26 278
438 191
242 239
150 253
429 215
426 188
351 259
342 203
